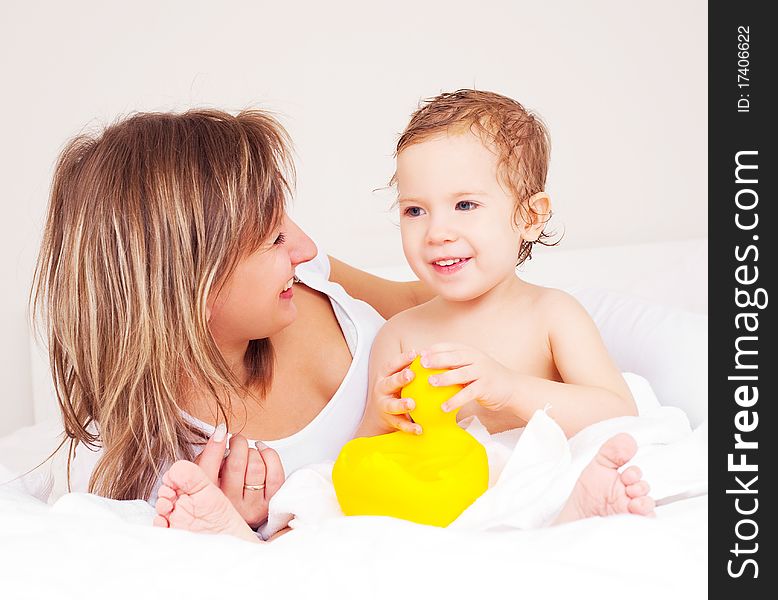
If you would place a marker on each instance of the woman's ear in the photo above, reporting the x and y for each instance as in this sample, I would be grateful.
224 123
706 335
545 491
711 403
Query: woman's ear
538 213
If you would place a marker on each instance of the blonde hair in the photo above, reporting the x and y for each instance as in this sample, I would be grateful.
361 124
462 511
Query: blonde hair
144 221
519 136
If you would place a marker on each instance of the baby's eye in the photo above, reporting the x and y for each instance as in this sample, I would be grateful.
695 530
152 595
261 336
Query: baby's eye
413 211
280 239
466 205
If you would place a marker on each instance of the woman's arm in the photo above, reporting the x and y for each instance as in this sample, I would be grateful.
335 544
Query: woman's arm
387 297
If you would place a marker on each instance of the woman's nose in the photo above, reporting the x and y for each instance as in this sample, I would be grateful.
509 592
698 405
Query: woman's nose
301 247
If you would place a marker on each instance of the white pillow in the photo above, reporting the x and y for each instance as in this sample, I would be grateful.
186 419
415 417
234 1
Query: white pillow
667 346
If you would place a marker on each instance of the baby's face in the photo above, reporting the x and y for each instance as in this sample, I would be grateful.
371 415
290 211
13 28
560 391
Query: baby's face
453 208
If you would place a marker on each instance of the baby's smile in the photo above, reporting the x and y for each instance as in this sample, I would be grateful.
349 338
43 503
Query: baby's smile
446 266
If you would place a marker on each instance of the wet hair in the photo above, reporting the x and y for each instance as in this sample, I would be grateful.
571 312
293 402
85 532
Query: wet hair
518 136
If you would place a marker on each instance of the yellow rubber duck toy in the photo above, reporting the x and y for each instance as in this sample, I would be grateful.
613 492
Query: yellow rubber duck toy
429 478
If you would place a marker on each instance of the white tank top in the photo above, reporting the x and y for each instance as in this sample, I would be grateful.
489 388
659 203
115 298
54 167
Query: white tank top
337 422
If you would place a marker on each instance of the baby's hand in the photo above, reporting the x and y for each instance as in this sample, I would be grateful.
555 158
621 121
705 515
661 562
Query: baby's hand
486 381
391 408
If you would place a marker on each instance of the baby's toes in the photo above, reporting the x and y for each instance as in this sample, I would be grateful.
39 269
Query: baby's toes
185 477
617 451
644 506
631 475
164 506
636 490
167 492
160 521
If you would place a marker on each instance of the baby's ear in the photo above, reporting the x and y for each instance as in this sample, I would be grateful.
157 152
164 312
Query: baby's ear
536 213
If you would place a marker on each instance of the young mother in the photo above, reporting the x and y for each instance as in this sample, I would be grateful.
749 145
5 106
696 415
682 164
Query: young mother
178 296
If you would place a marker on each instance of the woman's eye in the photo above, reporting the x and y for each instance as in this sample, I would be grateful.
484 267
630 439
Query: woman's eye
413 211
466 205
280 239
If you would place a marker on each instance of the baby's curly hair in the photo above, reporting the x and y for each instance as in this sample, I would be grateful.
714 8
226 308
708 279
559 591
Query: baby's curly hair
519 136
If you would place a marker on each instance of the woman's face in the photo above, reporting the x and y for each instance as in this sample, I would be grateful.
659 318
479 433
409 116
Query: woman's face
256 300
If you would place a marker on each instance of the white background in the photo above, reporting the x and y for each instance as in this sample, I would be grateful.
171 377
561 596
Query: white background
621 85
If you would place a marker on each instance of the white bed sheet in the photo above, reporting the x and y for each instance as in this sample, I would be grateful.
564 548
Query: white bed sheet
79 548
83 544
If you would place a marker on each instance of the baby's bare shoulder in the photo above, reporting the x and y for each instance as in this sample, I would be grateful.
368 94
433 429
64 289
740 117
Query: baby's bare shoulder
408 319
556 297
553 302
561 309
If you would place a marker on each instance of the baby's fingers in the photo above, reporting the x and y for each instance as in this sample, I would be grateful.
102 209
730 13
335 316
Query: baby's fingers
446 359
399 362
398 406
403 424
389 386
459 399
461 376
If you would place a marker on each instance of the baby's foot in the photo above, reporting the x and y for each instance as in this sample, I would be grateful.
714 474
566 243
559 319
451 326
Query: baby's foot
188 500
602 491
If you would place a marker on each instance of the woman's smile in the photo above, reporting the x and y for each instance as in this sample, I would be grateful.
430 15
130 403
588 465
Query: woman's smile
287 292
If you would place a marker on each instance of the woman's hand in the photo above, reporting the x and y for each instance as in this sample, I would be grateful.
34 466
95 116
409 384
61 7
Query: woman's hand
388 408
249 477
486 381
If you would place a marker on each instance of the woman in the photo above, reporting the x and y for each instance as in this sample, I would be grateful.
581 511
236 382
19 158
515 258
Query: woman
178 295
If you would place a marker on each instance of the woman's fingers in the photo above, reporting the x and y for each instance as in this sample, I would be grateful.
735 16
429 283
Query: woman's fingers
255 506
210 459
275 476
233 473
256 472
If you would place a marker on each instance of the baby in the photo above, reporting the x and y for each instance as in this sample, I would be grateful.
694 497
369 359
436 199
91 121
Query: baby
471 172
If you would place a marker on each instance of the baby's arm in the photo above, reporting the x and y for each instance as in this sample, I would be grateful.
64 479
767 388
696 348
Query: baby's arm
593 388
387 374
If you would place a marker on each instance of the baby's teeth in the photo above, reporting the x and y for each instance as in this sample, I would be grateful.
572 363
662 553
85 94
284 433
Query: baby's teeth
448 263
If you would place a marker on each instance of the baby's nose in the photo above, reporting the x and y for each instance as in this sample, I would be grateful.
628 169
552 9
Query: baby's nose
440 232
